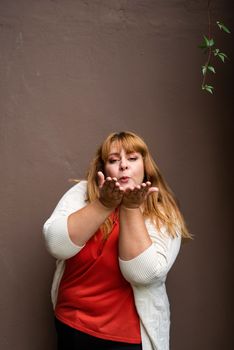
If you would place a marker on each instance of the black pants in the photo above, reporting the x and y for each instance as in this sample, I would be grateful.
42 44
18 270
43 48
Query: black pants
72 339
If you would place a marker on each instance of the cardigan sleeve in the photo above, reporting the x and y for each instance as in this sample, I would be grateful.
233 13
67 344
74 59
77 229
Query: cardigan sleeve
153 263
55 229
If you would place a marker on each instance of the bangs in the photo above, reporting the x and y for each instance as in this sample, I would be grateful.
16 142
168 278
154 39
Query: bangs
128 141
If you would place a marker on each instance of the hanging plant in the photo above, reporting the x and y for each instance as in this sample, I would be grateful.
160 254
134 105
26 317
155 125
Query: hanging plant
209 48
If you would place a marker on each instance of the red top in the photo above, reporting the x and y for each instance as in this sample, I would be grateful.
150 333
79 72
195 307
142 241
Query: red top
93 295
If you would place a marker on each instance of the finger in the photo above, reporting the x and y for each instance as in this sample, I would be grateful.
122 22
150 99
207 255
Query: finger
152 189
137 189
101 178
144 187
117 187
110 184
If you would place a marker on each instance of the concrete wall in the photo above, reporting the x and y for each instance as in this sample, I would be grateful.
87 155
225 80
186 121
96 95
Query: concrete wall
73 71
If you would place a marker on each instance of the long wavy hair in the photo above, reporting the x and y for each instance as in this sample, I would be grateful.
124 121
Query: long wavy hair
160 207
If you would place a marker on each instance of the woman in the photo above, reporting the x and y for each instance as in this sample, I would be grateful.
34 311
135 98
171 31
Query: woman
115 237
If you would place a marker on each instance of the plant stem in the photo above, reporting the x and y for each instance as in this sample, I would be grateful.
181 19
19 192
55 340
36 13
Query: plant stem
209 37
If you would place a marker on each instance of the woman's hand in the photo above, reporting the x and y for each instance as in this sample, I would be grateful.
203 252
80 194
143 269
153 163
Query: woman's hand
111 193
134 197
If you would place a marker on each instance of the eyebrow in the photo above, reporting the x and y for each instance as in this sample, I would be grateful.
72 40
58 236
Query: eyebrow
118 154
114 154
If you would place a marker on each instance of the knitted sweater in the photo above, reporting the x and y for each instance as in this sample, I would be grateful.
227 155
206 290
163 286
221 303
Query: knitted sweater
146 273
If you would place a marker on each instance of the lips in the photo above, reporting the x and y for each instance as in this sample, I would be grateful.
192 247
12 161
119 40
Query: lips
124 179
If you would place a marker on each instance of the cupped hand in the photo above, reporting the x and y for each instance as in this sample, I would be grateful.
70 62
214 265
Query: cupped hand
134 197
111 193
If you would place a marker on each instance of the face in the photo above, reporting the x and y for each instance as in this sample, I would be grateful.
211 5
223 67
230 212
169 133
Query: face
128 168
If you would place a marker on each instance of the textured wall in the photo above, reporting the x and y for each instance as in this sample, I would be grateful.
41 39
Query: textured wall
71 72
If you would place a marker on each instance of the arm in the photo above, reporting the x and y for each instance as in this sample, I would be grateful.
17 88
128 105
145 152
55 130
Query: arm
145 254
153 263
55 229
134 237
89 219
73 222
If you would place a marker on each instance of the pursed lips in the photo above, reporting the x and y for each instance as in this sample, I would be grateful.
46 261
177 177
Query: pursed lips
124 178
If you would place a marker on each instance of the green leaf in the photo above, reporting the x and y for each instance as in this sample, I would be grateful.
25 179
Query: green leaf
211 42
223 27
203 45
208 42
222 56
208 88
216 51
211 68
204 70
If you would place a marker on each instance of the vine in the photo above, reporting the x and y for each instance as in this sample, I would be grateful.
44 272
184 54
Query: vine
208 47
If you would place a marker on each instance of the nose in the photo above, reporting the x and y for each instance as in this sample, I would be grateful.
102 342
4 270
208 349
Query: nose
123 164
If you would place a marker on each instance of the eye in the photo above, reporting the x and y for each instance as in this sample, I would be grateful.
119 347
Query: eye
112 160
133 158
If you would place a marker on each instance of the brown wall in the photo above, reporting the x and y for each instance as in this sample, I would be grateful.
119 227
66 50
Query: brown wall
71 72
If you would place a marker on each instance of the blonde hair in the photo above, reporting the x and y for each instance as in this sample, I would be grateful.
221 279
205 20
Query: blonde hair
160 207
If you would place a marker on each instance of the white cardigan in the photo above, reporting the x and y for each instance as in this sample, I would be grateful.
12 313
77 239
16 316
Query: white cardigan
146 272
